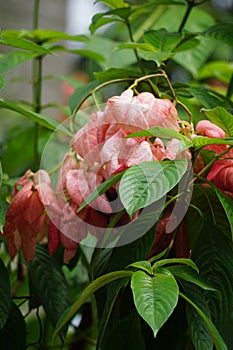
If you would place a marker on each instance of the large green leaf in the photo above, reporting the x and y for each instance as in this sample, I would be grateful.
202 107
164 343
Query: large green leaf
162 39
217 339
221 32
5 295
220 70
148 182
213 254
14 58
48 35
222 118
49 284
155 297
201 141
41 119
13 334
91 289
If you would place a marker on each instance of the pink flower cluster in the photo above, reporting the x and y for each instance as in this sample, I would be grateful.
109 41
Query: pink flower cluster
221 173
99 150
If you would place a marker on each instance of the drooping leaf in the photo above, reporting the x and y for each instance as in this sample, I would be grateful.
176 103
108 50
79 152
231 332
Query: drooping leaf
49 284
158 131
217 339
14 58
190 275
220 32
91 289
100 21
80 94
213 254
5 295
41 119
7 38
184 261
143 266
13 334
222 118
148 182
96 56
207 97
155 297
48 35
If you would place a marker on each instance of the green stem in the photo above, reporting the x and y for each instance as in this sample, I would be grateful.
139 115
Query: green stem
135 50
230 88
36 14
191 4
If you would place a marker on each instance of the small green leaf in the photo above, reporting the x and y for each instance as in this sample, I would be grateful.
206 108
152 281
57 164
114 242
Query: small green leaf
217 339
49 284
148 182
5 295
133 46
184 261
80 94
13 334
114 3
36 117
221 118
14 58
158 131
157 57
143 266
99 21
45 35
155 297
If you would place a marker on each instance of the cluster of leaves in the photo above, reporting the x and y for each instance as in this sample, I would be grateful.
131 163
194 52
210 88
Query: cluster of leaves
186 303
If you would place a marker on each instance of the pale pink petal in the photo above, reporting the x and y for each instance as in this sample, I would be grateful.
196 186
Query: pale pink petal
206 128
77 186
45 194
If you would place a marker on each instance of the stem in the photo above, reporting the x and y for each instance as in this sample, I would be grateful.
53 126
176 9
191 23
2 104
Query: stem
186 15
230 88
36 87
135 50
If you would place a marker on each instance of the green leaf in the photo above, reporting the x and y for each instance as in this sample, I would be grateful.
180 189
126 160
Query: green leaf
133 46
148 182
14 58
96 56
20 43
114 3
207 97
190 275
158 131
220 32
36 117
143 266
217 339
126 335
5 295
157 57
213 254
0 174
185 261
45 35
80 94
201 141
13 334
162 39
2 81
220 70
90 289
100 21
101 189
155 297
221 118
116 73
49 284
